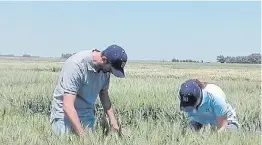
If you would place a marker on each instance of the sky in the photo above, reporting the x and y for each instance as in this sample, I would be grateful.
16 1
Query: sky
146 30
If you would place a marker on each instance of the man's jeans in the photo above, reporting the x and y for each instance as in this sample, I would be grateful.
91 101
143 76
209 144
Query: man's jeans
61 126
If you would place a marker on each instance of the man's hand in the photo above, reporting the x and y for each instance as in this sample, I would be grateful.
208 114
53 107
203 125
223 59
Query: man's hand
106 103
114 127
117 130
113 119
110 129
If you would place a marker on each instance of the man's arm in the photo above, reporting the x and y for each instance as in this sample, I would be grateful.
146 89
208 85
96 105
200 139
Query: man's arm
71 113
71 82
106 103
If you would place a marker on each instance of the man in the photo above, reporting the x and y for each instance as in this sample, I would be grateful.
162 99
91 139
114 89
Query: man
84 76
205 104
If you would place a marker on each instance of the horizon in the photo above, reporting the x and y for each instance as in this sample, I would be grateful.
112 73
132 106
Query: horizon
30 57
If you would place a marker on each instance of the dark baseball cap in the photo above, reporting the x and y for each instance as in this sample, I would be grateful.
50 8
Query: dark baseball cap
189 93
117 57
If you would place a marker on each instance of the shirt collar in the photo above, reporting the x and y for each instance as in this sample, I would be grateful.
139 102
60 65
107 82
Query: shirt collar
90 64
205 96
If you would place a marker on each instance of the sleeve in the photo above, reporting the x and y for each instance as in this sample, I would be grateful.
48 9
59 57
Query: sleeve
71 78
105 100
189 115
106 85
219 106
104 97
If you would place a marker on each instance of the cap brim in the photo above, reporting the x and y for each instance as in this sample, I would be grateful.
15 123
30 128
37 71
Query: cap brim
118 72
184 104
184 107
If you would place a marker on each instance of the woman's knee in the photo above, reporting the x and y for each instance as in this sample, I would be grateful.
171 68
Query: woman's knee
233 126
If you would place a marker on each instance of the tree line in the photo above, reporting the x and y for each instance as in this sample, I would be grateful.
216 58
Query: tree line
186 60
254 58
24 55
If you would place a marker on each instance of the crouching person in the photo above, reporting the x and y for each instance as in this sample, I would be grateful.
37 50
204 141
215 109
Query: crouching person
205 104
83 77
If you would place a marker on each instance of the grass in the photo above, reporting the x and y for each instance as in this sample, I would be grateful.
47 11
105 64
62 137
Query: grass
145 102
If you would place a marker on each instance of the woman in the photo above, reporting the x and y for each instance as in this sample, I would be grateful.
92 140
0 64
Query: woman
205 104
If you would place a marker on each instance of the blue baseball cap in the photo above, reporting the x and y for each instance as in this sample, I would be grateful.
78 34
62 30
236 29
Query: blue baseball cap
117 57
189 93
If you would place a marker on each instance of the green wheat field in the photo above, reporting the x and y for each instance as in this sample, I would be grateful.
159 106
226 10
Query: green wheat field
145 103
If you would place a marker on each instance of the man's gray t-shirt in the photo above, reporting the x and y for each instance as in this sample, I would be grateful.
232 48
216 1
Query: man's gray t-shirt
79 77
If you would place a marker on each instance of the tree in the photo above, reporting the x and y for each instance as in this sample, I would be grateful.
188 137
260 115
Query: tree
175 60
221 59
254 58
26 55
66 55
